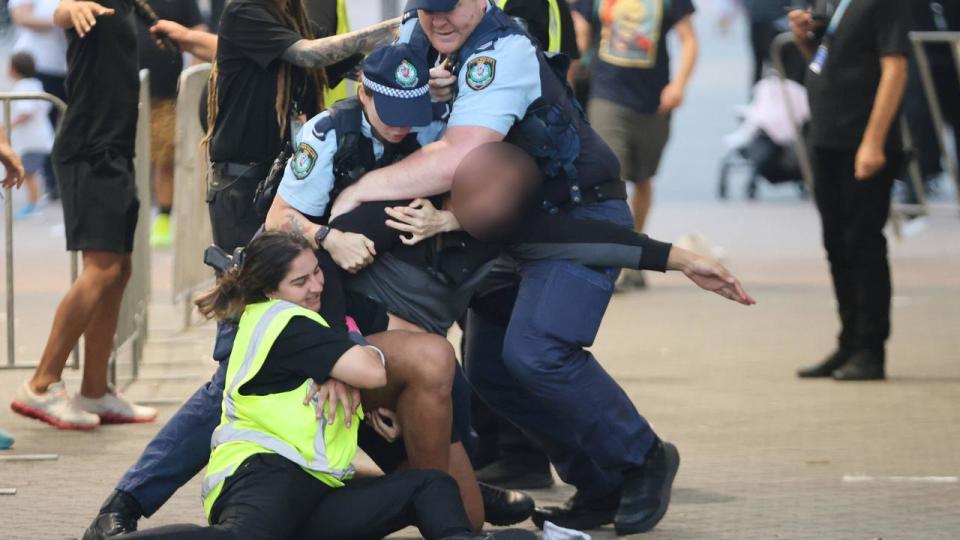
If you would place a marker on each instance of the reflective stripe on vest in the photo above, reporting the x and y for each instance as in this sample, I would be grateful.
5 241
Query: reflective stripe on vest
234 427
554 30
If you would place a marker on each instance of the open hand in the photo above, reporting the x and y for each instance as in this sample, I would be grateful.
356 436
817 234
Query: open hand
711 276
327 396
83 16
421 219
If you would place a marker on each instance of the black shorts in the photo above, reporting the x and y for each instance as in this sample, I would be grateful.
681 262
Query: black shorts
100 203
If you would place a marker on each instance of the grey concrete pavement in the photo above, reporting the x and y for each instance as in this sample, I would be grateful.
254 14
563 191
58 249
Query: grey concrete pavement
765 455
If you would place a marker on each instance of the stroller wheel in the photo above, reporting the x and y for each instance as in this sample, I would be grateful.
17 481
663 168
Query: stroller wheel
752 188
722 181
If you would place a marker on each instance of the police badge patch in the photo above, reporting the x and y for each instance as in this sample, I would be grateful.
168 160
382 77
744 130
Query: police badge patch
303 161
480 72
406 75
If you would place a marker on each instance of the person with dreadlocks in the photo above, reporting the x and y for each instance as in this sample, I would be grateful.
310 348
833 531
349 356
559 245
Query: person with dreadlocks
267 79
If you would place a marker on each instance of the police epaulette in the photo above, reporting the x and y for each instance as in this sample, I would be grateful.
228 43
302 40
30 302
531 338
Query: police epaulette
322 127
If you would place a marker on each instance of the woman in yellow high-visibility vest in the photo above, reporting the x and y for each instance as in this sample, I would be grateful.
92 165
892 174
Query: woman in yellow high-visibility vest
279 468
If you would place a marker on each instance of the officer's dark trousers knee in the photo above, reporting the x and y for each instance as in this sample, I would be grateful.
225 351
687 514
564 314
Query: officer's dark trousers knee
552 388
853 213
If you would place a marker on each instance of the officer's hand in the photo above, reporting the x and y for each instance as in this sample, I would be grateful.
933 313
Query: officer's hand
708 274
869 160
442 84
385 423
14 167
83 16
421 219
351 251
801 24
176 32
329 395
670 98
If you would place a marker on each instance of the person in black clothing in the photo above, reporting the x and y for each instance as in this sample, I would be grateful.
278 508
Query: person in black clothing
855 81
93 156
270 496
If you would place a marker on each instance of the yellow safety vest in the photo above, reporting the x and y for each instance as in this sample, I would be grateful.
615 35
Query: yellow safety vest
553 24
275 423
340 91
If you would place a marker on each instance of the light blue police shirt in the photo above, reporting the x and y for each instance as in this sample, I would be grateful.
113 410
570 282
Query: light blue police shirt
308 177
496 84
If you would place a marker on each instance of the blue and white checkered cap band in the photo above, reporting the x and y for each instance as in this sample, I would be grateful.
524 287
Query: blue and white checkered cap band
396 92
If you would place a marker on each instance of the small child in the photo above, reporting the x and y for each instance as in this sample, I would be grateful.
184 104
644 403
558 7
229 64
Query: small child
32 134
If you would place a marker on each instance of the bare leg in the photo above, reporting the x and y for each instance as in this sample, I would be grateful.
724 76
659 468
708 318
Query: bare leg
99 335
163 184
33 190
640 203
102 270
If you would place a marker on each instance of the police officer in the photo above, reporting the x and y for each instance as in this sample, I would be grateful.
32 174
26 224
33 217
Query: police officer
507 90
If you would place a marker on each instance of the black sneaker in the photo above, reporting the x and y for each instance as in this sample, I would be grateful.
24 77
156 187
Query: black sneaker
517 474
118 515
646 490
826 367
579 513
504 534
862 366
505 506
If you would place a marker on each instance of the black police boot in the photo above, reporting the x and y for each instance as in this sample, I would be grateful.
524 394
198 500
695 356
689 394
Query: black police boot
118 515
504 534
645 496
825 368
505 506
862 366
512 472
580 513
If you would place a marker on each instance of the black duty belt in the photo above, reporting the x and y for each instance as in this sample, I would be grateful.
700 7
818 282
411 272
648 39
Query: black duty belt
608 191
232 168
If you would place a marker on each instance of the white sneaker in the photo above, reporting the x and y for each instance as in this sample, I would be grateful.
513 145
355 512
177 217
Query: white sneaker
113 408
53 407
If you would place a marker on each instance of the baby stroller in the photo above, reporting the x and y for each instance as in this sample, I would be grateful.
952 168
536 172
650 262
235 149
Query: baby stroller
763 145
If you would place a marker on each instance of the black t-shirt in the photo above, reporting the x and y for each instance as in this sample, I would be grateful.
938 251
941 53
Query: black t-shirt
842 95
304 350
252 40
536 14
165 66
102 88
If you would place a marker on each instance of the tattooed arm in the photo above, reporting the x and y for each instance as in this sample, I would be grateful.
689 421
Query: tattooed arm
330 50
351 251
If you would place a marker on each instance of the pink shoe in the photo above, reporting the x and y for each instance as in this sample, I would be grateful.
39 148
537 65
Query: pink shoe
113 408
53 407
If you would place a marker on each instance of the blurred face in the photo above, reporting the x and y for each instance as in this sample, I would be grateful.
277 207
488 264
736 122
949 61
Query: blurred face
303 283
387 133
448 30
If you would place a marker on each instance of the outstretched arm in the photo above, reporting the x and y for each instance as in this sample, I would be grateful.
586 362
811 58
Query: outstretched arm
199 43
311 53
79 15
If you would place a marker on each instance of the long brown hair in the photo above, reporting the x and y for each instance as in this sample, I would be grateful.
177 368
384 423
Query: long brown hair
264 264
294 13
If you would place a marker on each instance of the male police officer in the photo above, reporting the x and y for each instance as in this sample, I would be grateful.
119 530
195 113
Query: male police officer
507 90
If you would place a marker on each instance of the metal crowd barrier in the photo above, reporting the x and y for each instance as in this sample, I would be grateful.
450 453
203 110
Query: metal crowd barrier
132 325
6 99
190 217
952 39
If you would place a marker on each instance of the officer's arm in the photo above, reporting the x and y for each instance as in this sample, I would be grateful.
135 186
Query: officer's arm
330 50
427 172
284 217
